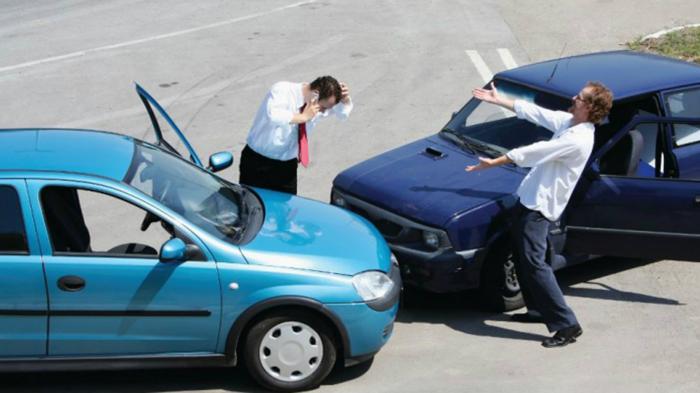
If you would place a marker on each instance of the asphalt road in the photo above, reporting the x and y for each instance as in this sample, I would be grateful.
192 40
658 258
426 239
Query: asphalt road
409 64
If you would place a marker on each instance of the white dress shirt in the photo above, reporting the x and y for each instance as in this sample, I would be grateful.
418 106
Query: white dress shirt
272 134
556 164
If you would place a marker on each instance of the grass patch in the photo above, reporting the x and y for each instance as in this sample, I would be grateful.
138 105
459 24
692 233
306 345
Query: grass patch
682 44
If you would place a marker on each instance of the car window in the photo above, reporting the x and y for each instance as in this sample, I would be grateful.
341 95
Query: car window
13 237
685 104
226 210
89 222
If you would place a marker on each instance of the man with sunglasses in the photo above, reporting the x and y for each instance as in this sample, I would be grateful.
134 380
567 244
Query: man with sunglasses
556 165
278 139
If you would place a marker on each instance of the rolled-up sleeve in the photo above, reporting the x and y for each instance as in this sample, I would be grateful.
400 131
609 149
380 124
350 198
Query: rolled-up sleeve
538 153
549 119
342 110
277 104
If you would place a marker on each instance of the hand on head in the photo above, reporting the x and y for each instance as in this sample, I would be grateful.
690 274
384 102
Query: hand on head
344 93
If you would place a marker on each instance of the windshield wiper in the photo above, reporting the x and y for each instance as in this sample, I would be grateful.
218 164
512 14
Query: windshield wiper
457 139
481 146
471 144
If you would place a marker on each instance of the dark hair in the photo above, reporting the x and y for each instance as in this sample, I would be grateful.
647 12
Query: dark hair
327 87
600 100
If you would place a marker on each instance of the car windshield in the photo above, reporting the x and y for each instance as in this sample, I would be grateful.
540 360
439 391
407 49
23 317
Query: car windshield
493 130
226 210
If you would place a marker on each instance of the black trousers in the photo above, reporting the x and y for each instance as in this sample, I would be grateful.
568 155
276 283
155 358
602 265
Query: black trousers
257 170
539 286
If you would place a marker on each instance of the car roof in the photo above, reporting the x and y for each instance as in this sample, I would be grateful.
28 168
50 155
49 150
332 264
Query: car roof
89 152
626 73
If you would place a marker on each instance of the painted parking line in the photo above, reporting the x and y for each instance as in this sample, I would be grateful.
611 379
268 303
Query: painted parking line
507 58
71 55
481 67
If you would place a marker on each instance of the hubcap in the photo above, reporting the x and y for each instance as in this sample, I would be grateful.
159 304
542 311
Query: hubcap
291 351
511 277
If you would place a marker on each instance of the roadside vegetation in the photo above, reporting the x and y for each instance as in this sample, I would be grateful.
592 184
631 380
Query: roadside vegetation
682 44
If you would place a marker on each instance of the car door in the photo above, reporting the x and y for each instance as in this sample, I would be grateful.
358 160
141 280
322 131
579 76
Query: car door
651 214
108 292
168 135
23 307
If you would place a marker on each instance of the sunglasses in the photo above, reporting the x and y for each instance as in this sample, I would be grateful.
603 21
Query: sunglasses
579 97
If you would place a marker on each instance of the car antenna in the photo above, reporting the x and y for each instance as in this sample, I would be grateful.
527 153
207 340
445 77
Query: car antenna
554 70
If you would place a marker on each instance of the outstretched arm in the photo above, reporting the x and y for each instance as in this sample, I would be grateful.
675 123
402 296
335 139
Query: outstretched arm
485 163
493 97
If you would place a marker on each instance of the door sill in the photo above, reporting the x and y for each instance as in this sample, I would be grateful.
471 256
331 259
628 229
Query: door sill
113 362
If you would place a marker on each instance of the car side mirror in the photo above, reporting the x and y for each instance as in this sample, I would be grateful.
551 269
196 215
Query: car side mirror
220 161
175 250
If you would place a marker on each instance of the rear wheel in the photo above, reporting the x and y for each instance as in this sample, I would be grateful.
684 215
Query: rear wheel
500 290
290 351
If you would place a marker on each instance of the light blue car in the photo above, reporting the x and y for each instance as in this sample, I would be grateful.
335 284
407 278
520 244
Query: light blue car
118 253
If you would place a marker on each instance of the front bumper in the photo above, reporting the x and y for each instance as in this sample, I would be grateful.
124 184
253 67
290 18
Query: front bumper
367 330
368 326
442 270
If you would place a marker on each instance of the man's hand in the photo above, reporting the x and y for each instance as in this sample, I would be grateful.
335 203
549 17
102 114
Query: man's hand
487 95
344 93
493 97
310 110
485 163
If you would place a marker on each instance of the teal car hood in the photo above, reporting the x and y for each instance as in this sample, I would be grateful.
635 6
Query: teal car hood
305 234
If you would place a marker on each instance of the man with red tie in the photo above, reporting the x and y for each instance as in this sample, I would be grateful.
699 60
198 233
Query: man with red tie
278 139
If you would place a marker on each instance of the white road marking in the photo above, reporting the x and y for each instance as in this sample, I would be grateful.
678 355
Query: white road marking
152 38
480 65
507 58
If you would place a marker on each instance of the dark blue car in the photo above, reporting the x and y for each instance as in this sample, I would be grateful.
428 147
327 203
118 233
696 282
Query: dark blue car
638 197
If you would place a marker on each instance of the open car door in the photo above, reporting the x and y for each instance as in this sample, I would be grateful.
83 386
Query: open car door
648 214
166 128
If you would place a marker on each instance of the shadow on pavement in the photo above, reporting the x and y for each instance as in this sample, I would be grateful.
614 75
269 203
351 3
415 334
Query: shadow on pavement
152 381
461 312
136 381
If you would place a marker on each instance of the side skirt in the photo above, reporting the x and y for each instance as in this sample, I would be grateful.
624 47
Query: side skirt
113 363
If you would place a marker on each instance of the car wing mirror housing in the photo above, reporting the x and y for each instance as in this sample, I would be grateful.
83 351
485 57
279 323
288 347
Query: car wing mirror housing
220 161
175 250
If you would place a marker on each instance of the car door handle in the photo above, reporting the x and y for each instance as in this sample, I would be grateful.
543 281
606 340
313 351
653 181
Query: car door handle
71 283
697 200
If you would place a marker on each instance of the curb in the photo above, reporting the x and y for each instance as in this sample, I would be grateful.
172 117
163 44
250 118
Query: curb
664 32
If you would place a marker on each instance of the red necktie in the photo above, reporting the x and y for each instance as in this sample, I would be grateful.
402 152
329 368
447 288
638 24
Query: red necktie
303 142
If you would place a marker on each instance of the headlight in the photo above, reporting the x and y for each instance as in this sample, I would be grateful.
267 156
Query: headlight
372 285
431 239
338 200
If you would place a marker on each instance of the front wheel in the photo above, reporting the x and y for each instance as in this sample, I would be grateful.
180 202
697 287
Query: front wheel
500 290
290 351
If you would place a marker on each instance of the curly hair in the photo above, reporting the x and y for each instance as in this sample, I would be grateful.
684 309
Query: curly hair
327 87
600 100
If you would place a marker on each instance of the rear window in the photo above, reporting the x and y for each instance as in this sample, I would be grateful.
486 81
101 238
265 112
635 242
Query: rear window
13 238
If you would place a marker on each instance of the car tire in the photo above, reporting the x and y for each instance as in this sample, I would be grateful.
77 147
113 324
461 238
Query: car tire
302 358
499 290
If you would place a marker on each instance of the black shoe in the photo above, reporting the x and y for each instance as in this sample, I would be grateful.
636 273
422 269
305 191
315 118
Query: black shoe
526 317
563 337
